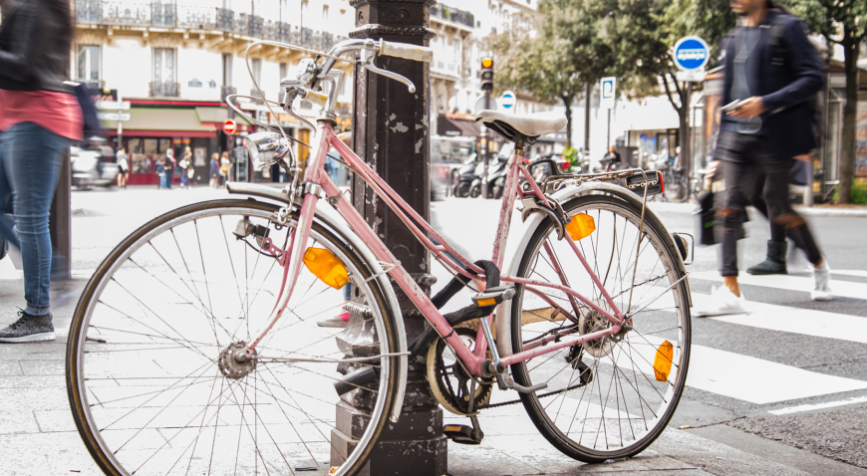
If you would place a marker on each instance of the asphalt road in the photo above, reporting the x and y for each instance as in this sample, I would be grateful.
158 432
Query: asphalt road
801 360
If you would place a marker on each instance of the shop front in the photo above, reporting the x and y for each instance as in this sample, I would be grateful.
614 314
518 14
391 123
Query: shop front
153 130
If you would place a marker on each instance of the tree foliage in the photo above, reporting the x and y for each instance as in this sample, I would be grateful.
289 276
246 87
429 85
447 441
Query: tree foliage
566 54
844 23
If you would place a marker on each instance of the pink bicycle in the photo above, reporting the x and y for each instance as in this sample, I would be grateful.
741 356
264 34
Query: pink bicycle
196 349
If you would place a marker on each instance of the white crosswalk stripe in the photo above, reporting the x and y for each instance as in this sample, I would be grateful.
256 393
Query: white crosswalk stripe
762 381
791 283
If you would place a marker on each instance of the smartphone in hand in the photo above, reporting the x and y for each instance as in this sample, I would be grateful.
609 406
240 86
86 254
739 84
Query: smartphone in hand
732 106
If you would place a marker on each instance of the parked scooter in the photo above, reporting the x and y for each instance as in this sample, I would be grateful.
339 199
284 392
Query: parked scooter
496 178
465 176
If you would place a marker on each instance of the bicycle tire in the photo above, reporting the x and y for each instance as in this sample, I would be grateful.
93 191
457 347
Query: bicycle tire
545 423
381 316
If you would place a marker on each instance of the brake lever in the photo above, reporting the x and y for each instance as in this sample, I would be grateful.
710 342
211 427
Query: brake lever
388 74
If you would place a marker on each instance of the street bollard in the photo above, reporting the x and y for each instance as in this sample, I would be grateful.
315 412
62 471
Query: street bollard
391 131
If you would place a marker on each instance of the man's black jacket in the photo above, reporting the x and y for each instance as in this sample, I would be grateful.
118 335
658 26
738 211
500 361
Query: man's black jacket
786 89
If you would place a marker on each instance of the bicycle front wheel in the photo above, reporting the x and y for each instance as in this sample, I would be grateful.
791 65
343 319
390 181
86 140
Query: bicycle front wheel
154 376
612 396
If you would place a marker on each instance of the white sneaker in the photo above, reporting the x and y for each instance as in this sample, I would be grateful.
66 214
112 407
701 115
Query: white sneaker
722 301
822 289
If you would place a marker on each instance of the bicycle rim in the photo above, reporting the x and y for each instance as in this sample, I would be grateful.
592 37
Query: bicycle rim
636 379
152 384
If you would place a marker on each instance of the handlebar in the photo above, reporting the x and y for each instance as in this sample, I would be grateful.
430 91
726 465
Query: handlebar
406 51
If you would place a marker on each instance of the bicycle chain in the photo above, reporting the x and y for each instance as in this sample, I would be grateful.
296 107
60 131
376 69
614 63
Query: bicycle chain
512 402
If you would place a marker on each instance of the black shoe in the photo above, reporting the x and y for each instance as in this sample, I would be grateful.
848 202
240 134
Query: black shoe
775 263
29 329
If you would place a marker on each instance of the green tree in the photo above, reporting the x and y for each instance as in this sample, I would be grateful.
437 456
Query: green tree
566 54
844 23
643 33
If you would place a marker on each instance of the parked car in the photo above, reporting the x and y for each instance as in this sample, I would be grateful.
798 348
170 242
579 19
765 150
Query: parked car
91 168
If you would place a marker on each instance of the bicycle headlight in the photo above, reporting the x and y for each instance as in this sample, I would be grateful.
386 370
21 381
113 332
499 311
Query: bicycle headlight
266 148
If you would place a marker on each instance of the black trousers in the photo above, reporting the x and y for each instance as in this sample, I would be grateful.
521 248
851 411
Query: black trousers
749 166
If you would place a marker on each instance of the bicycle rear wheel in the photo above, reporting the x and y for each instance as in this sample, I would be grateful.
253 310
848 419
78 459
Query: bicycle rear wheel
151 374
609 397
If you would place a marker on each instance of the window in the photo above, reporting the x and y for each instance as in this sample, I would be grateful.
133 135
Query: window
284 70
88 63
256 67
165 78
227 69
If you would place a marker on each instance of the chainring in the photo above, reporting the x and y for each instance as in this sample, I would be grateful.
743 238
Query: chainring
449 380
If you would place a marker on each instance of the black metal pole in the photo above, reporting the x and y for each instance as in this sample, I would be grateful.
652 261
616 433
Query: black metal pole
391 131
486 155
60 223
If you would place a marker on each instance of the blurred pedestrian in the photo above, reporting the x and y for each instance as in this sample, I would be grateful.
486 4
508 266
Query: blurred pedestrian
215 170
161 172
122 167
771 74
225 168
187 170
611 160
169 165
39 120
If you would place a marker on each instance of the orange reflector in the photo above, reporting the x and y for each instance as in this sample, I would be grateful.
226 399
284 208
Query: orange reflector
662 362
327 267
580 226
487 302
452 428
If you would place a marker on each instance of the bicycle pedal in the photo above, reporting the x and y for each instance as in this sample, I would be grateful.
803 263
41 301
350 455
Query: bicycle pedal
463 434
493 296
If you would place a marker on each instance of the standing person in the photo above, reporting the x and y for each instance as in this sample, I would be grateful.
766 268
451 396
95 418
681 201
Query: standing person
225 168
215 170
169 165
187 170
122 167
771 74
39 120
161 172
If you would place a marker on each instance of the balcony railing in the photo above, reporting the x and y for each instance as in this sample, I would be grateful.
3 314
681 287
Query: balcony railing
453 14
170 15
164 89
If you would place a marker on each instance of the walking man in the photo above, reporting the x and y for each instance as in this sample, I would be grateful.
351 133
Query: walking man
772 73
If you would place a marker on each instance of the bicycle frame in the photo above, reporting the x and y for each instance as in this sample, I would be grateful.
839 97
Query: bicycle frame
472 359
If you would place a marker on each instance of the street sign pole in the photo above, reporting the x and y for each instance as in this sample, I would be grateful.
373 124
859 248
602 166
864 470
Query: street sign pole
607 97
119 123
691 55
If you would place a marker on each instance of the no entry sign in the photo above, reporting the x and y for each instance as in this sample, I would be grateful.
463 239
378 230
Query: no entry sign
229 127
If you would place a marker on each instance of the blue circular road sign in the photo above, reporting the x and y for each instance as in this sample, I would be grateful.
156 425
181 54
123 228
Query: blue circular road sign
508 99
691 53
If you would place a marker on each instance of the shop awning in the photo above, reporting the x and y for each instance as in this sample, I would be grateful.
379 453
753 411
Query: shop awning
217 116
457 127
163 122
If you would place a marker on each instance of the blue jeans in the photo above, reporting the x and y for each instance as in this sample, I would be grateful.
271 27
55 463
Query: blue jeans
30 159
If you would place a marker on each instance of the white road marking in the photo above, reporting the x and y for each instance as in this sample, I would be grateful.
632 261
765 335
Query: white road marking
797 321
850 272
818 406
790 283
747 378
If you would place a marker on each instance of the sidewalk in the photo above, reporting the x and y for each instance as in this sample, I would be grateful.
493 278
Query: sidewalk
39 438
814 211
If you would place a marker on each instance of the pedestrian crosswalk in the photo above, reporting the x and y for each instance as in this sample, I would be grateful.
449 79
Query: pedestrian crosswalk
757 380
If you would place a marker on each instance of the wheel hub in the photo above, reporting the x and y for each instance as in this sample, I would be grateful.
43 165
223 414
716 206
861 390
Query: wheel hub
236 361
593 321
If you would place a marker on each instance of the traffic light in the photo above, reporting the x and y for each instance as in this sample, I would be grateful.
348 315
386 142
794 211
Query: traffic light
487 74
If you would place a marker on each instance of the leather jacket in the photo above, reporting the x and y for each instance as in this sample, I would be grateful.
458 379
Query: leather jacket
33 53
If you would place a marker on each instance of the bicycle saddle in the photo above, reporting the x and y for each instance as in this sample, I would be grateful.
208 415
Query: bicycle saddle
524 128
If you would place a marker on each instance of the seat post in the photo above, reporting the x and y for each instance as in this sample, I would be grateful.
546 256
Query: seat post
519 148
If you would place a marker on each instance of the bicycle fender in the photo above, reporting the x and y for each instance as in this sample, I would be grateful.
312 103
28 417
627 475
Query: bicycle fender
504 312
328 216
